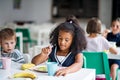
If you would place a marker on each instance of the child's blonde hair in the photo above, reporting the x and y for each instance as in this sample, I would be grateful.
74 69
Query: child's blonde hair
7 34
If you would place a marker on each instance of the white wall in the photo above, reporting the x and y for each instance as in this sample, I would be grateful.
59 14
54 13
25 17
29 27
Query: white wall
35 10
40 11
105 12
4 11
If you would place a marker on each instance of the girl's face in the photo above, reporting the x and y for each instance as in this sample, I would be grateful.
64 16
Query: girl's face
64 40
115 27
8 45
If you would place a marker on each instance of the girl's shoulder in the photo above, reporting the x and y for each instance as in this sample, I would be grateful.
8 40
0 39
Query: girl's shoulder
100 37
97 37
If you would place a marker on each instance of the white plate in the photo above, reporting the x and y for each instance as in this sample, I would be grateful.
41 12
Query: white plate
42 69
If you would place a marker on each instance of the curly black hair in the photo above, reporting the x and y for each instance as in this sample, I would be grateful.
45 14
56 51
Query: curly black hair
79 40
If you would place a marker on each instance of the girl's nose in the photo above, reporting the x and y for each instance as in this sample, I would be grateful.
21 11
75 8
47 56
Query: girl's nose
63 42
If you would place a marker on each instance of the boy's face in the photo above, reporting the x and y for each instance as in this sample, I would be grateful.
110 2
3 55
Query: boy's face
115 27
8 45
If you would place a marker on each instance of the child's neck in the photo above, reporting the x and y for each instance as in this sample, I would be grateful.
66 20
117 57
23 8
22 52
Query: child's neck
93 35
62 53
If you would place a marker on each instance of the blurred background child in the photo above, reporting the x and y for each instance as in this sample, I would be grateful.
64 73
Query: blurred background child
114 36
96 42
8 42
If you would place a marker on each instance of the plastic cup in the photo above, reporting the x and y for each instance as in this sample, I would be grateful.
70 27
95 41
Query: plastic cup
52 68
6 63
0 63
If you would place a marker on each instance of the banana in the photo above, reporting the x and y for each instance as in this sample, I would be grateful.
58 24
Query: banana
27 66
25 75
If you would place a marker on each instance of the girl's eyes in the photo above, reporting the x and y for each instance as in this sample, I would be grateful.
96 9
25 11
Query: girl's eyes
62 39
66 40
116 26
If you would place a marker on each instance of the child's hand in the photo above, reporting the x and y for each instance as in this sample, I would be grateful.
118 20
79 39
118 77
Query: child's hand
46 50
105 32
61 72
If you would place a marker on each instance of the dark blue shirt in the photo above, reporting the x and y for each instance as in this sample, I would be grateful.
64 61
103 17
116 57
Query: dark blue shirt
114 38
70 58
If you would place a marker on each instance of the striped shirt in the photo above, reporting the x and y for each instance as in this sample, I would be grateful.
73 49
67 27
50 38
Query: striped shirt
16 56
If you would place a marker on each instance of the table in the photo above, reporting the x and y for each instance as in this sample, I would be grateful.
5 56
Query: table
114 56
83 74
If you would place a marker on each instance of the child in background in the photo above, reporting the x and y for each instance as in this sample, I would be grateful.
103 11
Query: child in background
95 42
68 41
8 42
114 36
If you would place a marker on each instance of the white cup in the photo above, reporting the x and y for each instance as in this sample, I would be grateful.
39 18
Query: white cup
0 63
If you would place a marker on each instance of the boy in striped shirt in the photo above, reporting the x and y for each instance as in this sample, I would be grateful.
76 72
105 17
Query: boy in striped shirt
8 42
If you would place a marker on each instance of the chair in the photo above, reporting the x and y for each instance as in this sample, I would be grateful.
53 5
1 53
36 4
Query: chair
98 61
35 50
26 37
19 44
84 62
27 58
43 37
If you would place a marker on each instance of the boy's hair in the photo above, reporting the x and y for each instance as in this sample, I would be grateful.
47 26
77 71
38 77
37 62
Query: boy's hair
116 19
79 41
93 26
7 33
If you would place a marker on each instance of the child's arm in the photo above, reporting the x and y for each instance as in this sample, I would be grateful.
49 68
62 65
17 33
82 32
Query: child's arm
43 56
105 32
73 68
113 50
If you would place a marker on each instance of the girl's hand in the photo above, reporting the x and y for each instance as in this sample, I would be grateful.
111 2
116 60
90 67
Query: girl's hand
61 72
105 32
46 50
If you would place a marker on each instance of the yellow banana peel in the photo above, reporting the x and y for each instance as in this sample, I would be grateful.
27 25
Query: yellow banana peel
27 66
25 75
